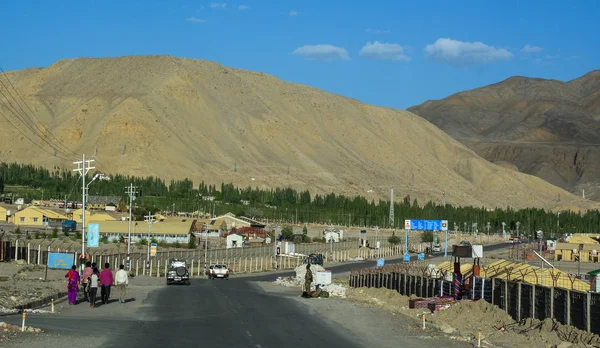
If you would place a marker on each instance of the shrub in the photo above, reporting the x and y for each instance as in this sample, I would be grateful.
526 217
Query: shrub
55 232
394 239
104 239
37 235
77 235
44 235
18 231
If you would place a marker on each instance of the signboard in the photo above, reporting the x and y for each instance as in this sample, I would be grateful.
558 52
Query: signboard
58 260
477 251
421 257
462 251
363 231
153 249
380 262
93 235
426 225
323 277
406 257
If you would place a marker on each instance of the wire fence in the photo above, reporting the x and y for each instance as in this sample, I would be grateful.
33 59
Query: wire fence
519 299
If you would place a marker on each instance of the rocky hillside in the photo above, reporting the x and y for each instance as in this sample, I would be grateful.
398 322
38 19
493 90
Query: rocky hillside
175 118
546 128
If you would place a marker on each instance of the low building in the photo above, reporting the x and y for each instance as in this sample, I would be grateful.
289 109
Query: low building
102 202
235 241
256 242
77 215
33 216
232 221
169 232
4 214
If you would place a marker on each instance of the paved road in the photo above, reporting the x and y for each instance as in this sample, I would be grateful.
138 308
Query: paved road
217 313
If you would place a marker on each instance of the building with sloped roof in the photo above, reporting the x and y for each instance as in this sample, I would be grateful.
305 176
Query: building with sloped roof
34 216
101 202
162 231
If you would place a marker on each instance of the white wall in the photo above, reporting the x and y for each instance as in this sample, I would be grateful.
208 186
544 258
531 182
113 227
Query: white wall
239 241
136 237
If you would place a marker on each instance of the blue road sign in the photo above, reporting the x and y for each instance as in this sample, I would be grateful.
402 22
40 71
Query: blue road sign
427 225
380 262
421 256
93 235
406 257
61 260
363 231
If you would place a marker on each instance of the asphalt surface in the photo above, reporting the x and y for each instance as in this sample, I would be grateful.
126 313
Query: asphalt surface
216 313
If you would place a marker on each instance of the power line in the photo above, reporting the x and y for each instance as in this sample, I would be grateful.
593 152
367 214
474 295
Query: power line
48 135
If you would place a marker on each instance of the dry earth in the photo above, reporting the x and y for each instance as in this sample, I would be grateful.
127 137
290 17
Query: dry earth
175 118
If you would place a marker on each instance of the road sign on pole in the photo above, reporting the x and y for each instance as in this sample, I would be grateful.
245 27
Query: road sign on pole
153 249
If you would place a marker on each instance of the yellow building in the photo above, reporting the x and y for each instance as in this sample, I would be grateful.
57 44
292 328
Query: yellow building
33 216
3 214
78 215
170 232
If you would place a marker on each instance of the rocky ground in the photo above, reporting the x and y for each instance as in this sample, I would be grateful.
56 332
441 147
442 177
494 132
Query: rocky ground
21 284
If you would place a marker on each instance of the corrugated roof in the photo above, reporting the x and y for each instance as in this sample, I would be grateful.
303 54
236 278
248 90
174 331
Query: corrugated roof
122 227
522 272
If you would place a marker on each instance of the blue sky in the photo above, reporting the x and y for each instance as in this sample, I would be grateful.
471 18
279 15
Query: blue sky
392 53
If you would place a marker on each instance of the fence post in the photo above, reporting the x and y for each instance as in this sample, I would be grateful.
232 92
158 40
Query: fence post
493 287
533 301
552 302
28 252
518 301
150 275
39 256
506 295
474 288
588 312
568 307
192 268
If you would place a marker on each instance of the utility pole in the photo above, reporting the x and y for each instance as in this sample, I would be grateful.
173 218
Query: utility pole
206 244
150 220
131 193
83 167
444 197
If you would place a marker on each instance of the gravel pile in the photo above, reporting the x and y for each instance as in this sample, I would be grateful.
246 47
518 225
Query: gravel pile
336 290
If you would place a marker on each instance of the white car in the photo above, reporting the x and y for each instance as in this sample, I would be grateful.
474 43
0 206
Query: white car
436 248
218 271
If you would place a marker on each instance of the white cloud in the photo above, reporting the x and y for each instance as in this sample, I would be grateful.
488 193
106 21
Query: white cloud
531 49
243 7
293 13
322 52
196 20
377 31
218 4
465 53
383 51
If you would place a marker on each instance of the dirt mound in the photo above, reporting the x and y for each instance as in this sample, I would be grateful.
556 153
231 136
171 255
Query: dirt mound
473 316
551 328
389 299
252 125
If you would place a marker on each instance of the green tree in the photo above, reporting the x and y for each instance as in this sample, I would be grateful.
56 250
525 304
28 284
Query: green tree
192 242
427 237
18 231
104 239
394 239
54 233
37 234
287 232
1 185
305 230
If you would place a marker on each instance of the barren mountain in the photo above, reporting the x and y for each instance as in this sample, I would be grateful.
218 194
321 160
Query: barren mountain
175 118
546 128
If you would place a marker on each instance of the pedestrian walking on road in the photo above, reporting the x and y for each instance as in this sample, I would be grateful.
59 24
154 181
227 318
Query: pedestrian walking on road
93 287
121 281
85 281
308 279
73 280
106 281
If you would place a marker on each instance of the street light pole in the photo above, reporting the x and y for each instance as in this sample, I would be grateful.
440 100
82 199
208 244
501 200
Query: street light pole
131 193
83 167
150 221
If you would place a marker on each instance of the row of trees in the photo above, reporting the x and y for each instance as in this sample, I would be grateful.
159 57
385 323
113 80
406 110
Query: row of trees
287 205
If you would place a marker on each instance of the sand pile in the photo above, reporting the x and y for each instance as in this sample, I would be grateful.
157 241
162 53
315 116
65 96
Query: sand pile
551 330
388 299
471 317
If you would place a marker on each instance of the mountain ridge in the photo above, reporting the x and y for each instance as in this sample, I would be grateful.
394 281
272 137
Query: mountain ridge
177 117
